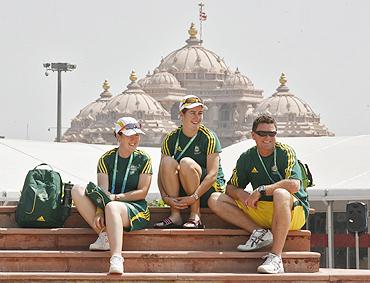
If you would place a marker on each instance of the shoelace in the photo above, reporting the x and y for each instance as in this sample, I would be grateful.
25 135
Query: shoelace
272 259
116 260
256 238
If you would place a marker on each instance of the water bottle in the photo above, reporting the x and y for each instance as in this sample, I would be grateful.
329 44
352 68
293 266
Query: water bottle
67 198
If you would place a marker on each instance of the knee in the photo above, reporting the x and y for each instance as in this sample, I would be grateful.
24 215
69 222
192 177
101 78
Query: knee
281 196
168 163
113 207
78 191
214 201
187 164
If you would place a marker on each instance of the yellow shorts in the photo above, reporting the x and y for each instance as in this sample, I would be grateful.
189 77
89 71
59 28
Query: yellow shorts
262 215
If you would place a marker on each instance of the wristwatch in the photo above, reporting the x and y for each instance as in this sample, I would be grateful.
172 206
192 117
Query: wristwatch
196 196
261 189
116 197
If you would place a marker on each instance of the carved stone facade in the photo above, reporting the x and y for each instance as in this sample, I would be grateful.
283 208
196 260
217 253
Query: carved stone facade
232 100
134 102
294 117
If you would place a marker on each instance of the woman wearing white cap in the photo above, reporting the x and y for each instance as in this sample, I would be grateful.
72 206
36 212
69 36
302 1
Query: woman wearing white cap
124 175
190 169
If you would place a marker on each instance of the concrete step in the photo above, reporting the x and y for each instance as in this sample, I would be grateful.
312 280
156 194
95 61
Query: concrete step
143 240
209 219
323 276
151 261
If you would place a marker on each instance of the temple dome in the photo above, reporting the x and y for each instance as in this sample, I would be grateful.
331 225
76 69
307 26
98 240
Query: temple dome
143 82
193 57
91 110
133 100
284 102
238 80
162 80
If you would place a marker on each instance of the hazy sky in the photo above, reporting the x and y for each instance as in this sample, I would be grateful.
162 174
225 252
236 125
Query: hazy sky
322 46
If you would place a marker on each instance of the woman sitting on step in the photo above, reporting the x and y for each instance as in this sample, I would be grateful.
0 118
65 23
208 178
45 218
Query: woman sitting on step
190 170
124 176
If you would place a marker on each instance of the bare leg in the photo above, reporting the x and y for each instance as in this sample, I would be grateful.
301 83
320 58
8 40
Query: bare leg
283 203
116 217
190 173
225 207
171 184
85 207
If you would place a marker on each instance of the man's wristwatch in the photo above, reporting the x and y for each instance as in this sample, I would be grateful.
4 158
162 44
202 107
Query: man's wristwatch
116 197
196 196
261 189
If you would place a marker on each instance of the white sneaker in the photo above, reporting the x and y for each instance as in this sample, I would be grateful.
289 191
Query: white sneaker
116 264
260 238
272 265
101 243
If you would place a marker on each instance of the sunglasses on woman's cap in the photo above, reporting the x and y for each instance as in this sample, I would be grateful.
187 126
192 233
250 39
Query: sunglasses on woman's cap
127 126
191 102
266 133
131 126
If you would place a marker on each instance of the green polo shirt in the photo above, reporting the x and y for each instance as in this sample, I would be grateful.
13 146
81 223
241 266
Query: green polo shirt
141 164
250 169
205 143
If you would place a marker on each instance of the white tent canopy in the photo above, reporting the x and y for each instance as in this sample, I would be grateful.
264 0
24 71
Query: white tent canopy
338 164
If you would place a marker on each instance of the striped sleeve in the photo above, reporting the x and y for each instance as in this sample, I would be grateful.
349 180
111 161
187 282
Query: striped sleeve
102 164
291 160
234 178
239 178
213 144
166 148
147 161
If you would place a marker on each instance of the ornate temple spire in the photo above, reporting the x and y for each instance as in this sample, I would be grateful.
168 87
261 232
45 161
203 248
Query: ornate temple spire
133 76
283 87
192 31
106 93
193 39
283 80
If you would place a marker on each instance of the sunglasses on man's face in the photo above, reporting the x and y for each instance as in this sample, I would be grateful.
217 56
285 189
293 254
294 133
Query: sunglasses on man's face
266 133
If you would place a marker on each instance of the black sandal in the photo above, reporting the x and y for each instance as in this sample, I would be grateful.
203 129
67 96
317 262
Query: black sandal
166 223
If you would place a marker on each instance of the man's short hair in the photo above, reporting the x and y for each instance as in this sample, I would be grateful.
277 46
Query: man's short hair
263 119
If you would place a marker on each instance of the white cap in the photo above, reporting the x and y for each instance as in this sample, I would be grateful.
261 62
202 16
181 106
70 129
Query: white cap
128 126
191 101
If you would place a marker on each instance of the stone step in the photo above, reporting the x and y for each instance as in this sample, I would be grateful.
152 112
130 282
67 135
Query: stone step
143 240
209 219
323 276
151 261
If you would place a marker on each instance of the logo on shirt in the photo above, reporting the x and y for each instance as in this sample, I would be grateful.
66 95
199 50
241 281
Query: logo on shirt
41 219
133 169
254 170
197 150
178 149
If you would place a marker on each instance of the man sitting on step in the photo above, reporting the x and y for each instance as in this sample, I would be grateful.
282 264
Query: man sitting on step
278 200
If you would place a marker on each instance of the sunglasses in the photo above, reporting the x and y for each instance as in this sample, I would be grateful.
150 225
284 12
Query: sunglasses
191 100
131 126
266 133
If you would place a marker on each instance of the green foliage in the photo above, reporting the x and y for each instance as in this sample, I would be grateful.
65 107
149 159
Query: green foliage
157 203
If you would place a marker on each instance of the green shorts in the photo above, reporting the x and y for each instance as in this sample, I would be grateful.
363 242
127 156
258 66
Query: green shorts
138 214
218 186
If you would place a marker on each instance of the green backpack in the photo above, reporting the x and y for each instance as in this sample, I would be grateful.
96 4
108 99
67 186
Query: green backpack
306 175
41 203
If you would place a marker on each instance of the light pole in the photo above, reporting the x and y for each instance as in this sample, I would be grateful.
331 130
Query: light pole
59 67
